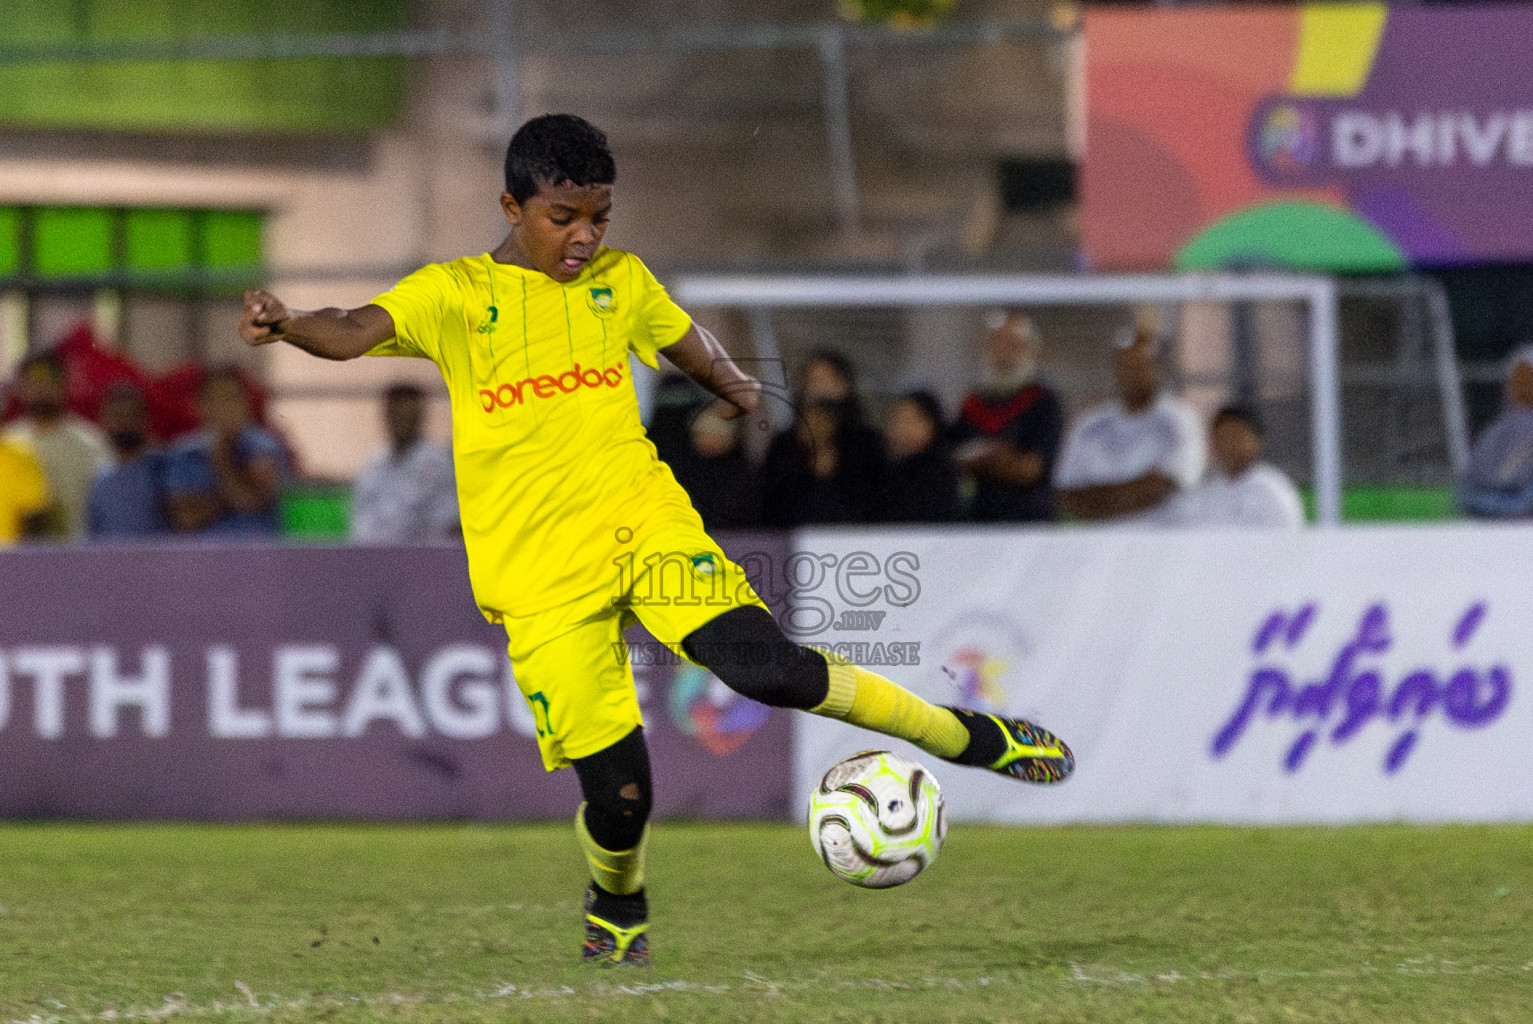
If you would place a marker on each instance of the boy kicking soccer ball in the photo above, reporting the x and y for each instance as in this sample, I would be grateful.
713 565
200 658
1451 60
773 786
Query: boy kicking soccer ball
569 518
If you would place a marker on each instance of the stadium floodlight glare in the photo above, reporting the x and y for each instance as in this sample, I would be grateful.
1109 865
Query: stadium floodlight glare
1319 294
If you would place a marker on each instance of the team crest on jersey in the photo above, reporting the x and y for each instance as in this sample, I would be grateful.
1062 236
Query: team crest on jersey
703 566
602 301
489 325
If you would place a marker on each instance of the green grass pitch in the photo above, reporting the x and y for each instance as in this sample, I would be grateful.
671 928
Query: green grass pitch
480 923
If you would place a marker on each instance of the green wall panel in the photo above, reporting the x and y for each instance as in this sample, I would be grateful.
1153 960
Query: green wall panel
10 240
231 239
302 95
159 240
176 248
72 241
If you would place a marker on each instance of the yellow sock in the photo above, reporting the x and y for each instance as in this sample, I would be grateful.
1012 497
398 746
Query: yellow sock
868 699
620 873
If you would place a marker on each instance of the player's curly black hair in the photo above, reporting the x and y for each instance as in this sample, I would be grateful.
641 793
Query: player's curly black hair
555 149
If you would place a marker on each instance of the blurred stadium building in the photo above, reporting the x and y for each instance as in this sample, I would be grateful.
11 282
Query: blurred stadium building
158 159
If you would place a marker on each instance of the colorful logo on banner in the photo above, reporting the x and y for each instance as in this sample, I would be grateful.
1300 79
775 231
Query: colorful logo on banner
1288 140
719 719
1356 691
1331 137
977 673
980 652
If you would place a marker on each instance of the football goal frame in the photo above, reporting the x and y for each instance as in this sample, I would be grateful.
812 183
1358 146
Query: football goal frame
757 296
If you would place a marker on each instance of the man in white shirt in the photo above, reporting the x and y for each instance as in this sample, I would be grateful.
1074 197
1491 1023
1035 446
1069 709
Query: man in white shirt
1128 460
1243 491
1498 482
407 494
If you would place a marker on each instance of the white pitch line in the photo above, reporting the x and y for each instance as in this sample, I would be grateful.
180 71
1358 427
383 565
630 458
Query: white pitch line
1416 966
176 1004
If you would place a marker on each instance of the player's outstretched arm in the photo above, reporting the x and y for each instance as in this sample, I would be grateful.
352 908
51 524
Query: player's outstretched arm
327 333
700 356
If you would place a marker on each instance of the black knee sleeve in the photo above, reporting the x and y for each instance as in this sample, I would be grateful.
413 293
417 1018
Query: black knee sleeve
616 785
747 650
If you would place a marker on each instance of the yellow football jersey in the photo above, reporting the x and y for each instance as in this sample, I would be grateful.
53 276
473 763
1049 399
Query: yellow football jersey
555 472
23 489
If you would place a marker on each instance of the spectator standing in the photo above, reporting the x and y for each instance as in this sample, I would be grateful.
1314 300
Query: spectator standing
1243 490
1498 482
225 478
406 494
829 379
128 496
1007 435
827 467
806 479
920 480
1129 459
70 449
715 472
24 499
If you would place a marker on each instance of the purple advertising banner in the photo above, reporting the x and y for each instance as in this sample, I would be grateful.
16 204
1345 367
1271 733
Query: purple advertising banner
1359 137
239 683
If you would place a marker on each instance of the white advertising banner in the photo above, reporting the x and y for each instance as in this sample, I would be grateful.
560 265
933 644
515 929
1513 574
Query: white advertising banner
1361 674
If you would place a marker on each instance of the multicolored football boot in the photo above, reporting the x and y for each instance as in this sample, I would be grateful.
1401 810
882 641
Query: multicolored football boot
1033 754
612 945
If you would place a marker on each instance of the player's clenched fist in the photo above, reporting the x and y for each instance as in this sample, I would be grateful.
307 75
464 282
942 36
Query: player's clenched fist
261 322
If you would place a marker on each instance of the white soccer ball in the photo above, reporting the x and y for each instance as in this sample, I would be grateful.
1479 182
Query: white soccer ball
877 820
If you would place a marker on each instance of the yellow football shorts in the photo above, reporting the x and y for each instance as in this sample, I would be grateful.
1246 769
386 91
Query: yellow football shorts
571 662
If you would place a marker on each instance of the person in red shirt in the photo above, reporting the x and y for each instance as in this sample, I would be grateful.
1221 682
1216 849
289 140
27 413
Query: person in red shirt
1008 433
